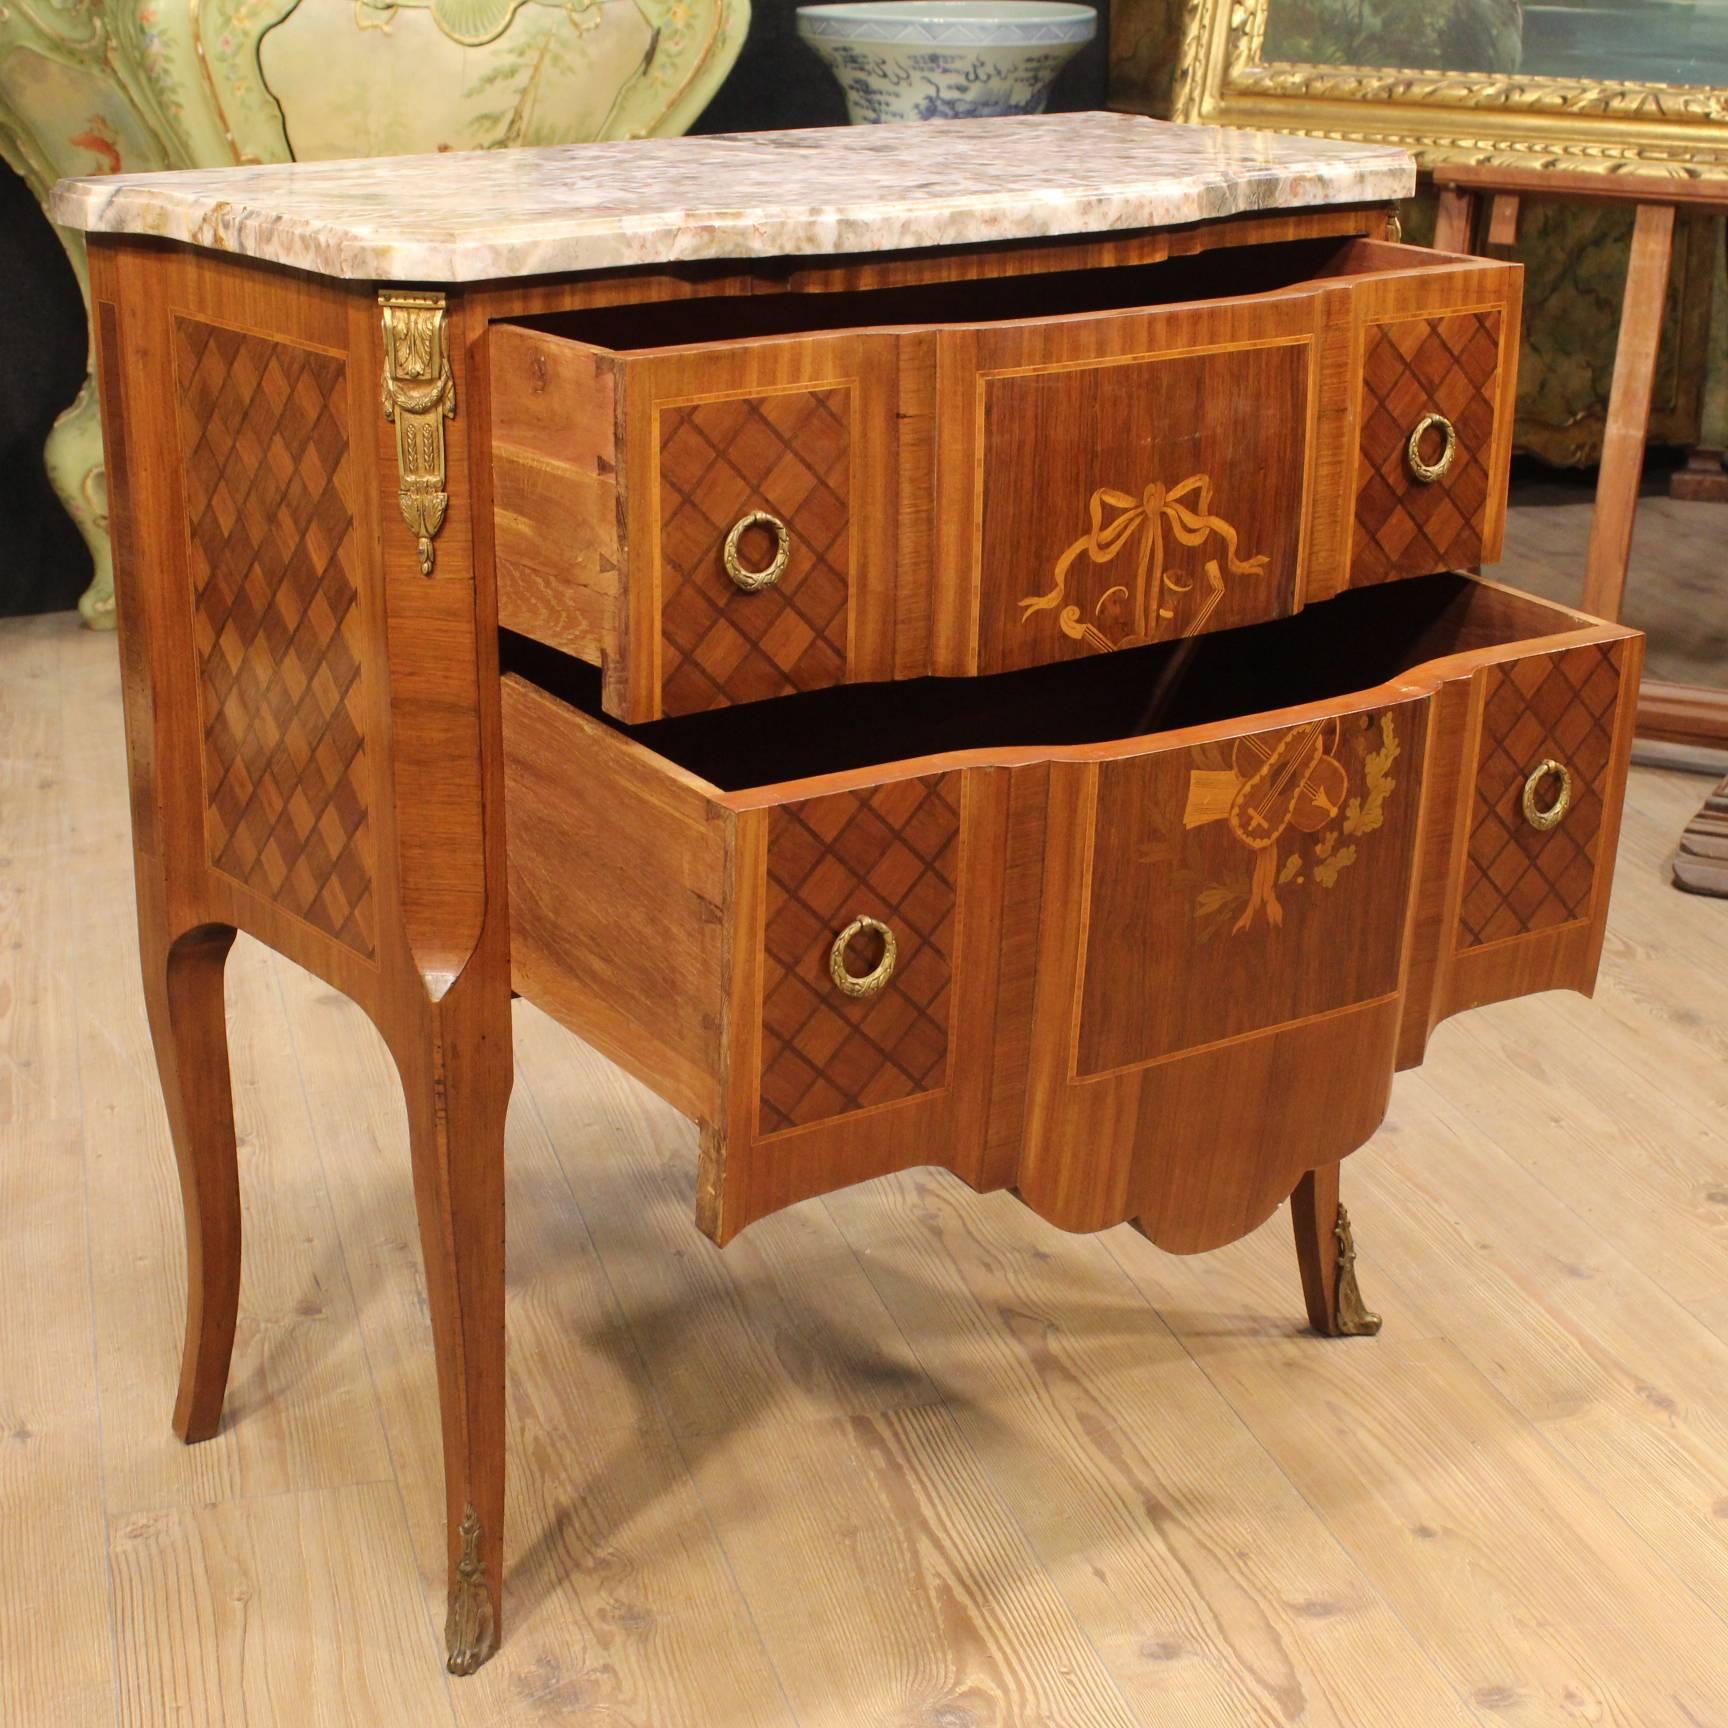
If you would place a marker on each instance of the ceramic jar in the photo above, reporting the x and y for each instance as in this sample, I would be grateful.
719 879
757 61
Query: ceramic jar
946 59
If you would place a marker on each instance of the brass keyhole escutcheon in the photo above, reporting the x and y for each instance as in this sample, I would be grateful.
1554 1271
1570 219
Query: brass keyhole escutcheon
868 983
1421 469
1542 817
752 580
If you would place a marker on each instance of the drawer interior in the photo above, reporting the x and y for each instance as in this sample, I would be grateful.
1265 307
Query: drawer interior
1355 642
1228 272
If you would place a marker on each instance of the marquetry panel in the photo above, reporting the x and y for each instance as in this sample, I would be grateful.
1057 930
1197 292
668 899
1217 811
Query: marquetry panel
1550 706
786 452
288 786
890 852
1138 500
1249 883
1412 367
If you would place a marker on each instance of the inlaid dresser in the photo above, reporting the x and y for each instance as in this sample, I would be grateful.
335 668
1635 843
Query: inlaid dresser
928 645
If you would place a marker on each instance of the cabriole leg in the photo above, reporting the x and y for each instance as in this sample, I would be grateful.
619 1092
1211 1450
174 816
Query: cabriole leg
1326 1254
188 1025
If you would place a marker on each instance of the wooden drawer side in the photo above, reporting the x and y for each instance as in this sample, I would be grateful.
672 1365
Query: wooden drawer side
617 878
555 487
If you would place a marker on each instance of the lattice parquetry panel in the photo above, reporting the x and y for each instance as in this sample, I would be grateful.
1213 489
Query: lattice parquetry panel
890 852
264 441
788 453
1412 367
1558 706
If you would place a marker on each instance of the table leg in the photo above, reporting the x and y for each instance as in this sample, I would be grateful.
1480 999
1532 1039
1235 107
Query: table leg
1628 425
1326 1253
1503 219
1454 220
1704 479
456 1073
188 1026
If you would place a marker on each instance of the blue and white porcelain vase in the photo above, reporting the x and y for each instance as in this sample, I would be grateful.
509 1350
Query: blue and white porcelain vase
946 59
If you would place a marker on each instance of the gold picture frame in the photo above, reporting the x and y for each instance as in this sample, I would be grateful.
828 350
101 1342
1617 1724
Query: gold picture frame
1223 78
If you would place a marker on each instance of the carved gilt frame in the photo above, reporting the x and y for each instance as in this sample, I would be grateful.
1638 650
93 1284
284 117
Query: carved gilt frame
1504 118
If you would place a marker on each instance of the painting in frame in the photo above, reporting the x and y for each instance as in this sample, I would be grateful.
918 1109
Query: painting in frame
1636 86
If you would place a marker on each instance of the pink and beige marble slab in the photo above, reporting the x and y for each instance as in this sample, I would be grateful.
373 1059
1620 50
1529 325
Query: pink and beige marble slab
468 217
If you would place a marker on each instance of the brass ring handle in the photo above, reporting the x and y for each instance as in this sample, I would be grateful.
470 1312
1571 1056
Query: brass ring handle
1429 472
751 580
878 975
1543 817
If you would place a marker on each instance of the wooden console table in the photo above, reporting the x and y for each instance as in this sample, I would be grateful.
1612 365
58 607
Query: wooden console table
947 656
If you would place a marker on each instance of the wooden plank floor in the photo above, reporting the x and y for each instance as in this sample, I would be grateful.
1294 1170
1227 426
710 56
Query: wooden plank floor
903 1458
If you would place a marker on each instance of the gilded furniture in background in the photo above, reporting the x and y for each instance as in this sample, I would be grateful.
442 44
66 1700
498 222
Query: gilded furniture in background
88 87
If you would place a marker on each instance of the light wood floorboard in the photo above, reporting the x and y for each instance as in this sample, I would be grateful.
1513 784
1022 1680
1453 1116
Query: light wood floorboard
901 1458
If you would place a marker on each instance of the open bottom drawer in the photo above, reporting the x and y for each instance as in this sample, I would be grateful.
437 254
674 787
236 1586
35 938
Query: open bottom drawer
1144 938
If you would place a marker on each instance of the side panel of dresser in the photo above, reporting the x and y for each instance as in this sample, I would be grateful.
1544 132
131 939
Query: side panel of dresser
310 757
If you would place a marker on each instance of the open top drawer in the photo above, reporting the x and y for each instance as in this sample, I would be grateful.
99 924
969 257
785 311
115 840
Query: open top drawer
736 496
1087 931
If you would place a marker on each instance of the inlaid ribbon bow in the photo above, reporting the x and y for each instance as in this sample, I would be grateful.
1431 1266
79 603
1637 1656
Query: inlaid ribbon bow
1145 519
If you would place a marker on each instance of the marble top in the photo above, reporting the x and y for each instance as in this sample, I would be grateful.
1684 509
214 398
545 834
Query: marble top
467 217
